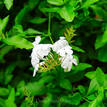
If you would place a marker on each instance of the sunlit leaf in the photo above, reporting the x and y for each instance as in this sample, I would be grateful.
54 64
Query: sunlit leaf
100 77
10 102
67 13
3 23
31 31
8 3
18 42
98 100
93 86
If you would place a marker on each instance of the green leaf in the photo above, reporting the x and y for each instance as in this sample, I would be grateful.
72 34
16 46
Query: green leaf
82 67
74 100
77 49
84 104
65 83
18 28
81 89
105 82
57 2
104 37
98 42
8 73
21 15
91 97
98 10
93 86
100 77
47 101
8 78
32 4
2 103
89 3
5 50
102 56
27 8
91 74
36 88
4 91
10 102
101 40
3 24
98 100
18 42
8 3
38 20
53 9
67 13
31 31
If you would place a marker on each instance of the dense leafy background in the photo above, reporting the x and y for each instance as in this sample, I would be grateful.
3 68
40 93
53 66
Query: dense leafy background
21 21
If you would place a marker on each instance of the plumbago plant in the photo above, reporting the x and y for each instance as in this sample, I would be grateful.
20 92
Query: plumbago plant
53 53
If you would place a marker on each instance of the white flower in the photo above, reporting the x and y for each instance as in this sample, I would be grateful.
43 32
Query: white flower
37 40
35 69
61 47
41 50
59 44
67 62
34 61
65 50
38 53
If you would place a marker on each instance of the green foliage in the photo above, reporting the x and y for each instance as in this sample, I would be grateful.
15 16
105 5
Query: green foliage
57 2
88 3
82 89
18 42
77 49
101 56
101 40
84 25
8 3
4 51
100 77
99 98
47 100
38 20
3 24
69 34
82 67
65 84
67 13
74 100
4 92
21 15
10 102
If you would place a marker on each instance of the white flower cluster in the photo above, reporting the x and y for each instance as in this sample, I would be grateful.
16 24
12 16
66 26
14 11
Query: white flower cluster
61 47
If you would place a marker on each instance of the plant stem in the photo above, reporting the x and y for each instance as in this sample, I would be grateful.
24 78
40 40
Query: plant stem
49 27
85 99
